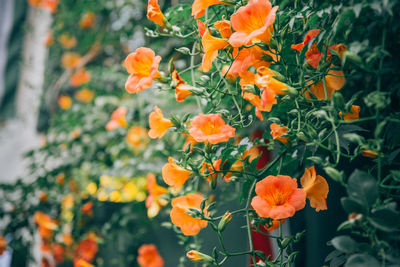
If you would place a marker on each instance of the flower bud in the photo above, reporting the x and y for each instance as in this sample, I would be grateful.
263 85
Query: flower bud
291 91
334 174
302 137
338 101
369 154
197 256
224 221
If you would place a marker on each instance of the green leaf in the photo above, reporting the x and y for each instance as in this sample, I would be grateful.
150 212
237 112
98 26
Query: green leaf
385 219
345 244
362 260
352 205
363 187
345 225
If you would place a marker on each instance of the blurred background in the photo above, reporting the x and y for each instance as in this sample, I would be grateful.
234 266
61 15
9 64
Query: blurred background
65 180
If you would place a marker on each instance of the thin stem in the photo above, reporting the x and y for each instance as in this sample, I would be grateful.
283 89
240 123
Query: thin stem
280 249
193 77
249 236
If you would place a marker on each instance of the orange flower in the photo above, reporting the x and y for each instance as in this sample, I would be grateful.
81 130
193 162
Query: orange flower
265 79
253 23
278 197
310 35
264 103
45 223
340 49
154 12
87 208
85 95
249 57
58 253
87 20
201 27
143 67
224 28
236 166
82 263
174 175
199 7
49 39
225 72
68 202
158 124
210 128
269 86
316 188
182 89
64 102
189 142
60 178
154 201
353 114
334 81
275 225
137 137
216 165
67 239
197 256
117 119
148 256
50 5
369 154
211 45
3 244
80 77
86 249
34 3
313 56
277 131
188 224
70 60
66 41
43 197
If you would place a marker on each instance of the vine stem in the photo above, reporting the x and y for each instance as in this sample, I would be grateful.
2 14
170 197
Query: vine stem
192 75
249 236
280 237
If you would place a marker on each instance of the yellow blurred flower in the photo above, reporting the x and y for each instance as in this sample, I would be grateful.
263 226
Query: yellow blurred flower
102 195
91 188
115 196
